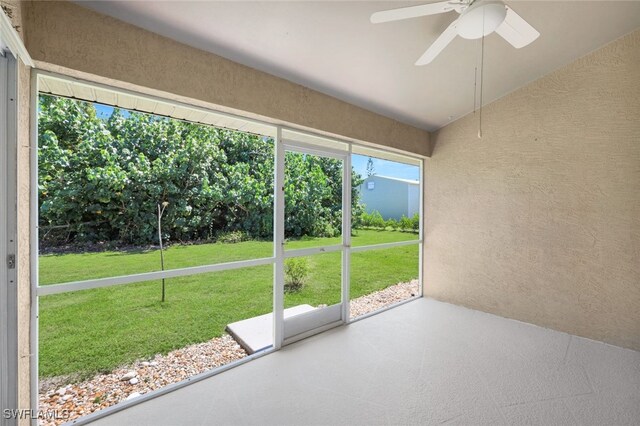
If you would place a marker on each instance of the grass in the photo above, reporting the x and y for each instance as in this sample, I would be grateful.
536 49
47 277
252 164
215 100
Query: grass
91 331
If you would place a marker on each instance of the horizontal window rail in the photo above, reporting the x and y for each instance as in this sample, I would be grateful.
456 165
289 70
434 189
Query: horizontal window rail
148 276
305 148
384 245
173 273
311 138
312 250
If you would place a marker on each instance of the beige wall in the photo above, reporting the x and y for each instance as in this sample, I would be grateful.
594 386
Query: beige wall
24 276
68 38
540 219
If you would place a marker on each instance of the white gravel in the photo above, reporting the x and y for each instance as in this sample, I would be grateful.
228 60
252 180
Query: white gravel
104 390
131 381
383 298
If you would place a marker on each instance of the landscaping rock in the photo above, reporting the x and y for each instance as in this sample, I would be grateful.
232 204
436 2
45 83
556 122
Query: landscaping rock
383 298
130 375
105 390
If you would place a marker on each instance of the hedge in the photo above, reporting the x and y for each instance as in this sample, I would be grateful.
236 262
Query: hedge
100 180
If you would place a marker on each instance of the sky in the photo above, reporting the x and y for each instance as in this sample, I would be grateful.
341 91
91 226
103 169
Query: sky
359 162
385 168
104 111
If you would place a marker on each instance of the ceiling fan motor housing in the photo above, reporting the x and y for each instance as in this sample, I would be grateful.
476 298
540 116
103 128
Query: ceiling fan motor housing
481 19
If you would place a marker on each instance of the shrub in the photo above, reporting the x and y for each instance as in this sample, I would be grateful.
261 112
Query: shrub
330 231
405 223
100 180
415 222
372 220
392 223
357 211
296 271
232 237
376 220
365 220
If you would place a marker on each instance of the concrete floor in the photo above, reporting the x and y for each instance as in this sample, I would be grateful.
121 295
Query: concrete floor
425 362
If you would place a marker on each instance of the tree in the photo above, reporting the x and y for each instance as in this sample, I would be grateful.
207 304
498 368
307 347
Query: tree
370 167
100 180
161 208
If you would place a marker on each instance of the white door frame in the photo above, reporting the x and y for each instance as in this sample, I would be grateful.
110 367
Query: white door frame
300 326
8 238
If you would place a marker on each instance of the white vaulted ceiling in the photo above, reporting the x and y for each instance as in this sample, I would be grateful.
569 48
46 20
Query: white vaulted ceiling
333 48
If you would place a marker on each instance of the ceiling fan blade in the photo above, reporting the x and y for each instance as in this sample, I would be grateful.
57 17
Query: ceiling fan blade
516 30
411 12
438 46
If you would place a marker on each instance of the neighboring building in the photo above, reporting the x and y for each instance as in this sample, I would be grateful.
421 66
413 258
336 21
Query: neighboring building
391 197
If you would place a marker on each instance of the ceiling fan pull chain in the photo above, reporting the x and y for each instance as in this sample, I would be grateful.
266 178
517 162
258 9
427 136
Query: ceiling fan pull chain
475 89
475 79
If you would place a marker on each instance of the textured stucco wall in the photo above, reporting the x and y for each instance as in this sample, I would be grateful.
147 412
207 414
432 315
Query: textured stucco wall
71 39
540 219
24 285
24 276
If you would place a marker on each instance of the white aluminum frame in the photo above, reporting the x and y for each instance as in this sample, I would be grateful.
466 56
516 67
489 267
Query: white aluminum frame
305 148
278 242
148 276
11 38
313 322
346 237
279 252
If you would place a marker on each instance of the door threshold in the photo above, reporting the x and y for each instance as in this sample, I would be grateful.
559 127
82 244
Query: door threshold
313 332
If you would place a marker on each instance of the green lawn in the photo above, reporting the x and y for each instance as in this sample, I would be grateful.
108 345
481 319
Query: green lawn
90 331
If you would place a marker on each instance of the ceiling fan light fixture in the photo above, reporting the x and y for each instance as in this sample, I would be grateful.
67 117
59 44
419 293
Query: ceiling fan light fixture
481 19
478 18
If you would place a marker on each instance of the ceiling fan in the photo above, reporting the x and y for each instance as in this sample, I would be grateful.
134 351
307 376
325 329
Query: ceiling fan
478 18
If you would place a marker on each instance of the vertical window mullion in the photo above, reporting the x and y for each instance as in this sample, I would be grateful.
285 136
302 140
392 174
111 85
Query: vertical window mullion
278 241
346 235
